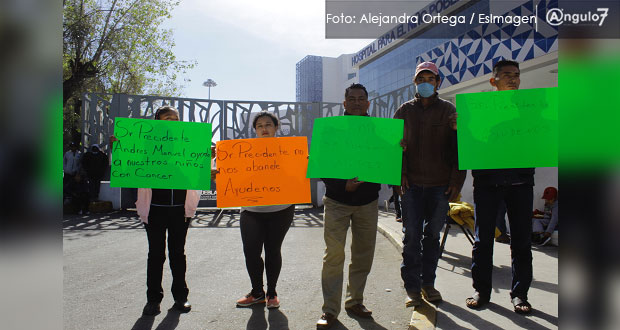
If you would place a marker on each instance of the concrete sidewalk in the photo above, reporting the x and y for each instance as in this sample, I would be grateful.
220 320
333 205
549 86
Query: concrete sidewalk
454 283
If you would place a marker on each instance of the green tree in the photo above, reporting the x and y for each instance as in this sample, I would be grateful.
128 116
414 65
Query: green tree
117 46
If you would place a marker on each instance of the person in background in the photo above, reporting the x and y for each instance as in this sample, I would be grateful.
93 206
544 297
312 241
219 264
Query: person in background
95 163
546 221
71 161
78 192
395 198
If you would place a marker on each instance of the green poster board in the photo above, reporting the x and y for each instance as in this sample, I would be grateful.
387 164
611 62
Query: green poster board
161 154
345 147
508 129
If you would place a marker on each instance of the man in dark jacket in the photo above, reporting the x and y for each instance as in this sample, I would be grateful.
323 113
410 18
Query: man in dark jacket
94 163
492 188
430 179
348 203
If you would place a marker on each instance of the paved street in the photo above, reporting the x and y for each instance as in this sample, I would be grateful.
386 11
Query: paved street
105 274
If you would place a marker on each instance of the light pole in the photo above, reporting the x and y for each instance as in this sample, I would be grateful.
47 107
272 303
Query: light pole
209 83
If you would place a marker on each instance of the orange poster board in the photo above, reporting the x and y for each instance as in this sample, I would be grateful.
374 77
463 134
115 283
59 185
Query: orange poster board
262 171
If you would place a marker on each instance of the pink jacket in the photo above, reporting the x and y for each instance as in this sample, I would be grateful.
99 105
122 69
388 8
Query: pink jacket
143 204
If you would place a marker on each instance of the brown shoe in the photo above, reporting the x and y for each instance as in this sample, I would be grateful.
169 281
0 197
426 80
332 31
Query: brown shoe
359 310
414 299
326 321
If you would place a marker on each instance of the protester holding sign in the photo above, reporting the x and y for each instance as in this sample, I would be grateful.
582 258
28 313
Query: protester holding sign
264 226
348 203
161 211
491 188
430 179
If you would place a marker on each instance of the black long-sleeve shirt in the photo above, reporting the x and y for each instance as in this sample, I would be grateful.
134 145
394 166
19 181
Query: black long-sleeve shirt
364 194
503 177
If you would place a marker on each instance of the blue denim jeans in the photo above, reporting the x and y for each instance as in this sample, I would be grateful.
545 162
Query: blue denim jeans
519 200
424 214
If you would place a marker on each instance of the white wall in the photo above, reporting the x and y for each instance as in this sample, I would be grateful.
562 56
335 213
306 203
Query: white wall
331 80
540 72
113 194
335 74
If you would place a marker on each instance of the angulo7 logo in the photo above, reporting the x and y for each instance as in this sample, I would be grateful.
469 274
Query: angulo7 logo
557 16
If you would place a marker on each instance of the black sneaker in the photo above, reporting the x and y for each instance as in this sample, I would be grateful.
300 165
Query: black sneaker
151 308
503 238
182 306
326 321
545 241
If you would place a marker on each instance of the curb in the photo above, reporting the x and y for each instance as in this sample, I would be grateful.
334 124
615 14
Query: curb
424 316
396 241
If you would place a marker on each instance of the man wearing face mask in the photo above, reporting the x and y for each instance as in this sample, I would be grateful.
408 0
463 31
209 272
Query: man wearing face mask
430 179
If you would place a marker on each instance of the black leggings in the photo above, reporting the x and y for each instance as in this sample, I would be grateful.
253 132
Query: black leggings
268 230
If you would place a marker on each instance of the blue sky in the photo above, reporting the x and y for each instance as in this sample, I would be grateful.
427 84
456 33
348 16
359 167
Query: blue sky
250 48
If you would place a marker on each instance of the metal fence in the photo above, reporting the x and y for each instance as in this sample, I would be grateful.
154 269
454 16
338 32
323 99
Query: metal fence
229 119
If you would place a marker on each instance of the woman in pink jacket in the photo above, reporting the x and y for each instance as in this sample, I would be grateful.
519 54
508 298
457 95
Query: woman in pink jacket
161 211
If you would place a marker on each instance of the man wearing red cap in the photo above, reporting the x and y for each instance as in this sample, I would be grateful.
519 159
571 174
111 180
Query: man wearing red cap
430 179
514 186
544 222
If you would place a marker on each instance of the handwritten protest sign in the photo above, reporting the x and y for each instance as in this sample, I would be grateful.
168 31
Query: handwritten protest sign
508 129
263 171
368 148
161 154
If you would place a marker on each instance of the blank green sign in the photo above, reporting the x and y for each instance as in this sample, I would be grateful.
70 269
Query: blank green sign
345 147
508 129
161 154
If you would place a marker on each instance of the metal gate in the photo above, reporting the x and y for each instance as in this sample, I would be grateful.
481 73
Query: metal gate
230 119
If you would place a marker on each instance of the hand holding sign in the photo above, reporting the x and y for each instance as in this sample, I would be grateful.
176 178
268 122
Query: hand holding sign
352 184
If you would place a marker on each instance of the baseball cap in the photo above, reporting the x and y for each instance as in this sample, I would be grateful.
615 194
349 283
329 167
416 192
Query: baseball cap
426 66
550 193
